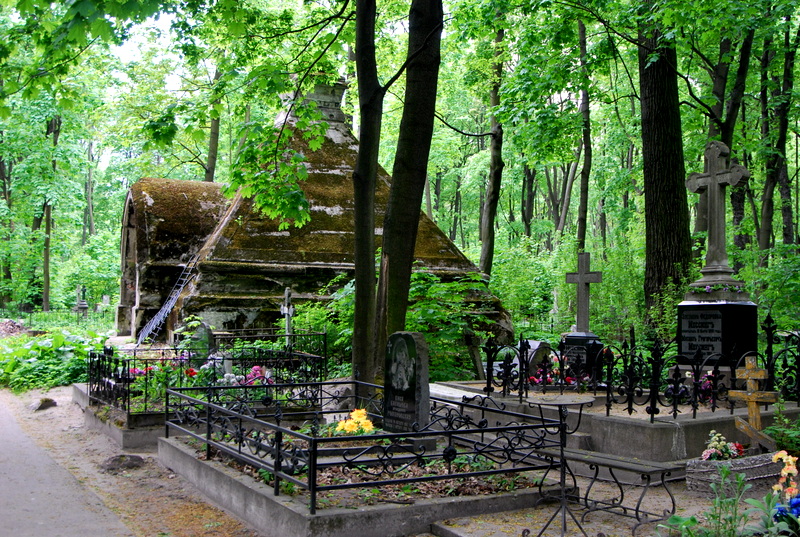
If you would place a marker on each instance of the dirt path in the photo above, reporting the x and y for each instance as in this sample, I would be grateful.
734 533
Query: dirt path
149 500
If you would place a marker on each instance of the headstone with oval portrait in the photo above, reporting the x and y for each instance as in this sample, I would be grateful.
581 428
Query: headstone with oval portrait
406 395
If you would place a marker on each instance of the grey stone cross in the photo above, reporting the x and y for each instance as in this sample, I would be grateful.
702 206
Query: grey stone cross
714 182
583 278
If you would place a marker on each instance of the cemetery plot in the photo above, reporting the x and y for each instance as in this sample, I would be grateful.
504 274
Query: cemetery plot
293 432
136 381
631 378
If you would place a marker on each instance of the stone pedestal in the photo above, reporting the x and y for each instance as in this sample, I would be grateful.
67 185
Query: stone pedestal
718 327
583 346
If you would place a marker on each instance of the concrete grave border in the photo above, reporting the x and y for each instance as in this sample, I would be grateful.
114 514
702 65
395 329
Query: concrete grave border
255 503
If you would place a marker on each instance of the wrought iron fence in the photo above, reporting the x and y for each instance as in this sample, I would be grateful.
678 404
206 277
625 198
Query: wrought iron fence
655 379
135 381
251 425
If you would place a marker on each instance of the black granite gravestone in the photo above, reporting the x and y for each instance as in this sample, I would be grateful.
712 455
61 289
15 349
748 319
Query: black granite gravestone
406 396
722 328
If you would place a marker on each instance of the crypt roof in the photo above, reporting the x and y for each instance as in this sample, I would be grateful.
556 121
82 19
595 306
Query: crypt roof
174 217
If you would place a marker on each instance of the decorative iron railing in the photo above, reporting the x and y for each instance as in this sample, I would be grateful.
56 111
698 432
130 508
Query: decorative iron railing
655 379
251 424
135 381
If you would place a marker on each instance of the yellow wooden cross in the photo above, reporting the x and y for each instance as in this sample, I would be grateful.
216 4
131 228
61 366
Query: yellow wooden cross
754 398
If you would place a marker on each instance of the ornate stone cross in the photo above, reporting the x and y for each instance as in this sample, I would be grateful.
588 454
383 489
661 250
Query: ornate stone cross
714 182
754 398
583 278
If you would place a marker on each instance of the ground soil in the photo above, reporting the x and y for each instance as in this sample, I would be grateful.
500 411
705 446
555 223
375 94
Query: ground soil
153 502
150 500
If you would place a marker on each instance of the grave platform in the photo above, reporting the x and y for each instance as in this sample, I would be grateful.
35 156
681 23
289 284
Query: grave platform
665 440
284 515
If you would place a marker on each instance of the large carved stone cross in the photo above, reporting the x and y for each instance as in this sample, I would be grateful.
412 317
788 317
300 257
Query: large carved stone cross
754 399
583 278
714 182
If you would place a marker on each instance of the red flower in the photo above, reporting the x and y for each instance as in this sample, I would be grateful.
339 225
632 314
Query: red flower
191 372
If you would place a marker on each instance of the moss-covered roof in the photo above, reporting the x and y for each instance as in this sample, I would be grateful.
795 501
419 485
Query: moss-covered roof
186 212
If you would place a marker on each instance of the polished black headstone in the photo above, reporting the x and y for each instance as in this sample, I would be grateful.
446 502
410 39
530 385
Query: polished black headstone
729 329
406 396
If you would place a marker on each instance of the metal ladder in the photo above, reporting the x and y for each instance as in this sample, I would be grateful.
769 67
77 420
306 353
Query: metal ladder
154 325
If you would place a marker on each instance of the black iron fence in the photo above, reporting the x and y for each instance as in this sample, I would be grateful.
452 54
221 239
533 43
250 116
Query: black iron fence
654 378
251 423
135 381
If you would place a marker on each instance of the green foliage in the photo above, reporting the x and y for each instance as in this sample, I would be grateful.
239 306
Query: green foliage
784 431
768 523
56 359
443 311
726 518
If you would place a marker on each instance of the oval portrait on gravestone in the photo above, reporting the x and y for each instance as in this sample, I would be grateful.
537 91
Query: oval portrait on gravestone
402 369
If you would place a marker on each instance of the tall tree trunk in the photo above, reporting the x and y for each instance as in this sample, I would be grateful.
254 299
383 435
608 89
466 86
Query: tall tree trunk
370 103
586 170
496 164
213 135
48 229
770 179
54 128
528 192
775 118
88 191
455 210
724 116
782 119
410 170
566 192
6 170
667 240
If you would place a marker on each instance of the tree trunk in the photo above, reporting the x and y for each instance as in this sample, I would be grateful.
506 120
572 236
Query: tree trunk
410 169
213 136
54 128
667 240
583 187
48 228
455 210
6 169
566 193
370 102
724 116
528 192
496 164
88 211
777 169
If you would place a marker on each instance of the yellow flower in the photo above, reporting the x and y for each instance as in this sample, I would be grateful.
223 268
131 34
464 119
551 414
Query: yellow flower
779 455
340 426
350 426
367 426
359 414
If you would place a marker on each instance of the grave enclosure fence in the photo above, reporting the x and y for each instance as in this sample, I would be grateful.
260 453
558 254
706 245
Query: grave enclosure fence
286 431
135 381
652 379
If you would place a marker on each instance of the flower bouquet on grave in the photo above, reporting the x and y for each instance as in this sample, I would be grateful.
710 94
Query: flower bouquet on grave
719 449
